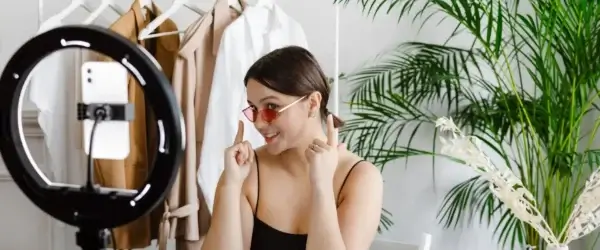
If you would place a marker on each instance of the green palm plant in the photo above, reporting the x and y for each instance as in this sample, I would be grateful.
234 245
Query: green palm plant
523 86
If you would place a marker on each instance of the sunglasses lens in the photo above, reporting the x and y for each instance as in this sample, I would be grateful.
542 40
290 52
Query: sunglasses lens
250 114
269 115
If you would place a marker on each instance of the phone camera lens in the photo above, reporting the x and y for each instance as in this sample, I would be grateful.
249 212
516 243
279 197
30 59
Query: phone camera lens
89 71
89 80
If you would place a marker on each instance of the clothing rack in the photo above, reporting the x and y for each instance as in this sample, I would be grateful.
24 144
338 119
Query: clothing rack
336 71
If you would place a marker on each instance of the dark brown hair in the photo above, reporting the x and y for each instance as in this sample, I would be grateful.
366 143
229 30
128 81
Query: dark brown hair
293 71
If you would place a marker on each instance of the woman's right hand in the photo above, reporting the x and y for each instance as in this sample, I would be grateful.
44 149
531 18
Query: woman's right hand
238 159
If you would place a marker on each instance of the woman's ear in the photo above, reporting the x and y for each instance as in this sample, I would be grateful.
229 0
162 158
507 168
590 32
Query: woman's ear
314 103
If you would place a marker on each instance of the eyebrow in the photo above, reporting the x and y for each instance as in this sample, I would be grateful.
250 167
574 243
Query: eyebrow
264 99
267 98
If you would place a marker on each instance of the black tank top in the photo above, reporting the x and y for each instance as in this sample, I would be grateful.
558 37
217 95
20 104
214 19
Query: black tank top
265 237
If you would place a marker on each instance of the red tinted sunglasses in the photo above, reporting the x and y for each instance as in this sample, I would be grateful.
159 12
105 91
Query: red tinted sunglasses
268 115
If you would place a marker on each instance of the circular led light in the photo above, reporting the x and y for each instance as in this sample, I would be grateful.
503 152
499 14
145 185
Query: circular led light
107 208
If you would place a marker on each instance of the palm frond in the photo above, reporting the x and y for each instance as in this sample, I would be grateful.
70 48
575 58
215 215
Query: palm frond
385 222
471 201
536 129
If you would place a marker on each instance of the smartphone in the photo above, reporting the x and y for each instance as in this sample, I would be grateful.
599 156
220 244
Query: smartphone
105 82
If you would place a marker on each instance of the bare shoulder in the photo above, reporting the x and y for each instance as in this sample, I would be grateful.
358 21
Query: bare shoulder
351 162
260 154
361 201
358 174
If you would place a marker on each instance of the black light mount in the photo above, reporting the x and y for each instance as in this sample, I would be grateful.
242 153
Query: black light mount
105 111
92 210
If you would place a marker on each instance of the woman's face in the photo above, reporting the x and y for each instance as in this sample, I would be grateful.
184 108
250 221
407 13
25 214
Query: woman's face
289 126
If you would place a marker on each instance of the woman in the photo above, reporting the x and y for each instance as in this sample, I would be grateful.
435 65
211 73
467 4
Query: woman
300 190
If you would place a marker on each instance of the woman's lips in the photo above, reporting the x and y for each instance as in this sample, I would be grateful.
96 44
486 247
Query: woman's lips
269 138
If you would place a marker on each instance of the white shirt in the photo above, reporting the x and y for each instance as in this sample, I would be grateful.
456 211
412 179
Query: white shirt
48 91
259 30
51 84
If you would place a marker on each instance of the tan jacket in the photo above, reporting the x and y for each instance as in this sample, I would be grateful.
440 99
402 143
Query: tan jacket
192 81
132 172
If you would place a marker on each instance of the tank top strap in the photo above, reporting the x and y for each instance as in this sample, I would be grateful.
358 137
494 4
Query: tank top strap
257 183
345 179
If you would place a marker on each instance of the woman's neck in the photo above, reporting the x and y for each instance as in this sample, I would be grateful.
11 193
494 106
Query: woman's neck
295 157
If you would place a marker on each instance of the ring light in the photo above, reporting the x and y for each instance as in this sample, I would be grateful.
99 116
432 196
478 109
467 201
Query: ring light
104 208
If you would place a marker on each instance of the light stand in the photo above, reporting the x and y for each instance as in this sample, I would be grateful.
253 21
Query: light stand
89 238
93 237
92 209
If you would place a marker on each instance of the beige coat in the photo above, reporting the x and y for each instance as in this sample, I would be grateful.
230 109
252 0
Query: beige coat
132 172
187 218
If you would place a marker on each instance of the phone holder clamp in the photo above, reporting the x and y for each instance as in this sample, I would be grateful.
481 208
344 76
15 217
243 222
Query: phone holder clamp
105 111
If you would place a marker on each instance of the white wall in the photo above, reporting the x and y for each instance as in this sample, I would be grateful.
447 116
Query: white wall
409 193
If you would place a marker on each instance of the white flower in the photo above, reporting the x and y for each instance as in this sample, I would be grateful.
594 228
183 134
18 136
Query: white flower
466 149
503 184
507 187
446 124
585 216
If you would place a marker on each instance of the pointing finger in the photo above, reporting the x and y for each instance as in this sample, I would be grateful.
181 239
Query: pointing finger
239 137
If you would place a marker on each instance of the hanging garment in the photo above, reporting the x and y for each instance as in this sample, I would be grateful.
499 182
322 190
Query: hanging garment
52 86
132 172
48 83
186 216
258 31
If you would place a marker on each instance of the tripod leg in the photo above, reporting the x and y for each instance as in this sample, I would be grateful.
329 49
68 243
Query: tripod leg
93 239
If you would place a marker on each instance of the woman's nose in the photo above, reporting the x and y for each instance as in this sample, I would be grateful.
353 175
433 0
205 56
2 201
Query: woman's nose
260 123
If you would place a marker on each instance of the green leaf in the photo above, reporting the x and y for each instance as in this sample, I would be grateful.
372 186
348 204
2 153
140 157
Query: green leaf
523 82
385 222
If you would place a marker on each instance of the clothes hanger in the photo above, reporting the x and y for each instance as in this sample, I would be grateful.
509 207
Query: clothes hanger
148 5
264 3
145 6
103 5
152 26
51 22
194 8
145 3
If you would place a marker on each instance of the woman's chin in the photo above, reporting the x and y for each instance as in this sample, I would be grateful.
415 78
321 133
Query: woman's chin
274 148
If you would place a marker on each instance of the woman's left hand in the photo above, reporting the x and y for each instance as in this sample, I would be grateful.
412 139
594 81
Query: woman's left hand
323 156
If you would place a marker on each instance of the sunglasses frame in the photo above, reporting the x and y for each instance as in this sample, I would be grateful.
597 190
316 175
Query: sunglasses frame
278 112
